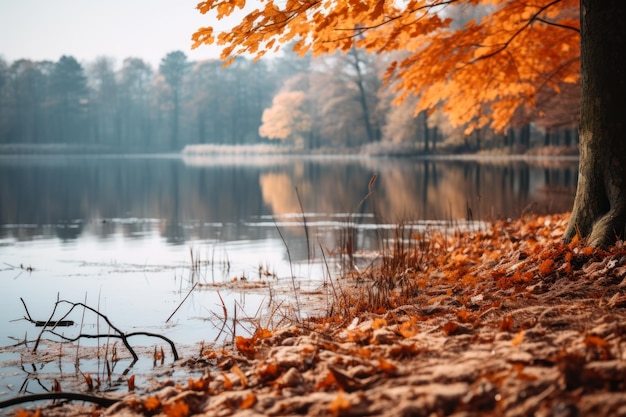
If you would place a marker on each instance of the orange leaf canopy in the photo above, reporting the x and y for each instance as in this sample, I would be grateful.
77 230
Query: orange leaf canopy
484 61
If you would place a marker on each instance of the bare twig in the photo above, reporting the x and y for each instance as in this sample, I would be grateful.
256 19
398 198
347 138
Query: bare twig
181 303
293 278
306 229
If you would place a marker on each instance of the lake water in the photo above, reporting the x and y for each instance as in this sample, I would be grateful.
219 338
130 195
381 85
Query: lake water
120 235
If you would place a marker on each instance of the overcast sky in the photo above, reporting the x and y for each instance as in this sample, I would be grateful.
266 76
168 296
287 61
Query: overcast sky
148 29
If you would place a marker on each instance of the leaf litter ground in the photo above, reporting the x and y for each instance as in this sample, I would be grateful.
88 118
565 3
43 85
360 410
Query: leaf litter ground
503 321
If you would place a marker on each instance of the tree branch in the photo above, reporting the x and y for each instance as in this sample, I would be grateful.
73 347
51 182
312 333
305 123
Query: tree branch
517 32
72 396
119 333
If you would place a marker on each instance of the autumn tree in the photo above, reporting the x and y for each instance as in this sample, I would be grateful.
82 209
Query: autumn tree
480 73
287 119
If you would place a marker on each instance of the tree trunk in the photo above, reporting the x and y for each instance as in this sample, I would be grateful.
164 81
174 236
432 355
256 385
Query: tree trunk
360 83
599 212
426 132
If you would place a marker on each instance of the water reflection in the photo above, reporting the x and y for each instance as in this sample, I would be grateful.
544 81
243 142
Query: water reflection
65 197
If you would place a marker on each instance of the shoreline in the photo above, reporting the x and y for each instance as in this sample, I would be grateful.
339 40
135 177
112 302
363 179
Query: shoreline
507 321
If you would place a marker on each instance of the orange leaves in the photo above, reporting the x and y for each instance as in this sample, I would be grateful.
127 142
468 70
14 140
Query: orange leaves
286 119
492 65
242 377
379 323
408 328
200 385
546 267
26 413
450 327
152 404
88 381
268 371
339 405
386 367
327 382
203 35
247 346
131 383
248 401
176 409
599 346
518 338
228 385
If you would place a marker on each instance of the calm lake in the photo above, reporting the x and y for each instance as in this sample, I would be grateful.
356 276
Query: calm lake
180 247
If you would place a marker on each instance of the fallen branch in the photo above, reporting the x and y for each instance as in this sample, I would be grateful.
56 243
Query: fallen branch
119 334
72 396
41 323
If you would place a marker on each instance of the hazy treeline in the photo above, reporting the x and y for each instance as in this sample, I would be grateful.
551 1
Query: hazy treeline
134 107
332 101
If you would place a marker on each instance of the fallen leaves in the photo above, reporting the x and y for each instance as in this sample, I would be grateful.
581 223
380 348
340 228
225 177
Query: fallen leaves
546 267
519 338
151 404
248 346
339 405
176 409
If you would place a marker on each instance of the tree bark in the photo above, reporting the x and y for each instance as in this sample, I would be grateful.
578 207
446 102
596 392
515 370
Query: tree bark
599 212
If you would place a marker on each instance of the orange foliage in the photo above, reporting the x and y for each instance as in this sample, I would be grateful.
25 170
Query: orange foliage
339 405
268 371
518 339
483 59
408 328
247 346
328 382
450 327
242 377
176 409
379 323
601 347
201 384
25 413
152 403
131 383
546 267
464 316
88 381
386 367
248 401
228 385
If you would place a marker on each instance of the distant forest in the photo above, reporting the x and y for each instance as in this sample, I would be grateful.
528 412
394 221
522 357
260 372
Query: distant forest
307 103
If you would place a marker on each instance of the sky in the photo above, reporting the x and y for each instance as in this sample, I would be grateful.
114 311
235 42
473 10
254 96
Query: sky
87 29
